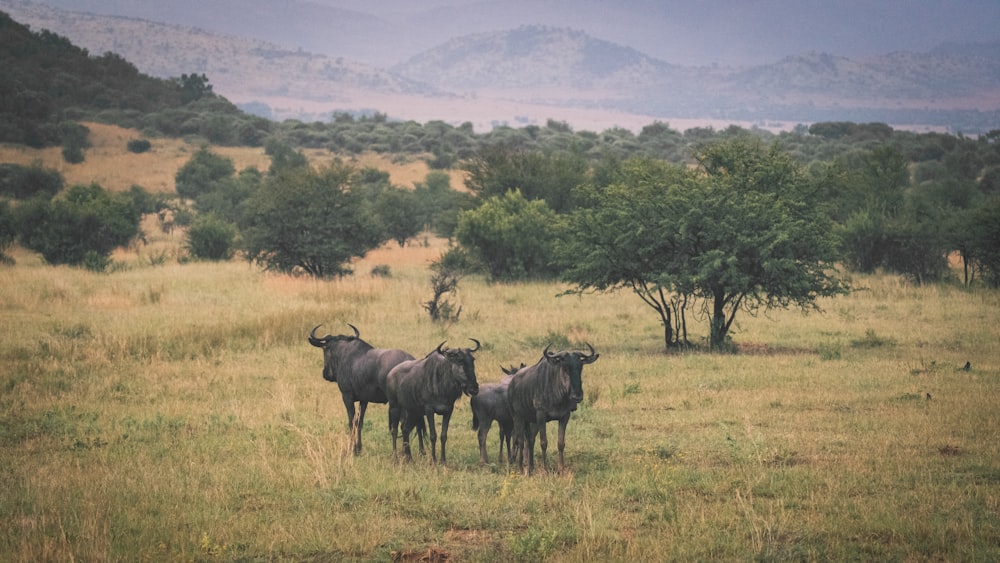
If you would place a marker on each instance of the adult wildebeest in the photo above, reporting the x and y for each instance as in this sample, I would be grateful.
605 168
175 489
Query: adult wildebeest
548 390
491 404
429 386
360 372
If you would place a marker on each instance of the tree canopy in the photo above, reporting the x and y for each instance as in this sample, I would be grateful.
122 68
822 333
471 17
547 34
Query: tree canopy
743 232
309 219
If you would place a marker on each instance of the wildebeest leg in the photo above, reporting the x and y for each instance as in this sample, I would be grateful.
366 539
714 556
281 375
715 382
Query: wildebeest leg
349 405
543 442
407 426
505 431
393 426
482 434
529 449
562 439
359 423
433 437
445 419
420 434
519 430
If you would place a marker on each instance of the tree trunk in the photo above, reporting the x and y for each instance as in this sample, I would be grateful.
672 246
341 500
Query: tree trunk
668 328
718 328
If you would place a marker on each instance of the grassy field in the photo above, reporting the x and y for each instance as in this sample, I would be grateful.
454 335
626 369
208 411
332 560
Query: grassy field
170 411
176 412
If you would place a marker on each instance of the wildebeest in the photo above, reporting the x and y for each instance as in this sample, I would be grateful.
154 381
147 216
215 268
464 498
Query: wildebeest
360 371
548 390
429 386
491 404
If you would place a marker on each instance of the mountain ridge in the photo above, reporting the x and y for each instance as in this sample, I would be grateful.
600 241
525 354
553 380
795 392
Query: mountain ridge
533 69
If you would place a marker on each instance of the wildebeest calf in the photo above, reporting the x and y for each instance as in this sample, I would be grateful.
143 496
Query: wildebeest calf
429 386
491 404
548 390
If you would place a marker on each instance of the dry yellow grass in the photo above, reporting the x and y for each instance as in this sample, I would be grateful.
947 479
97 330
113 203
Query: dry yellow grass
109 164
169 411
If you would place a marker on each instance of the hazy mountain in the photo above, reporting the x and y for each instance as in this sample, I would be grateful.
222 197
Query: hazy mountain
535 57
239 67
532 72
703 32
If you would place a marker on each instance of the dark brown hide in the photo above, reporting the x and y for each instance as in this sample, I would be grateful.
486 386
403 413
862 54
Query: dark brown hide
491 404
359 370
418 389
548 390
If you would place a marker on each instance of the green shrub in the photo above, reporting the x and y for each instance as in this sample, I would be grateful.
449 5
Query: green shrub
139 146
211 238
22 182
74 227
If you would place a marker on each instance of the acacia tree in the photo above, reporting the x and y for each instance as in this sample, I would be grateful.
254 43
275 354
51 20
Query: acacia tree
626 236
741 233
759 239
309 219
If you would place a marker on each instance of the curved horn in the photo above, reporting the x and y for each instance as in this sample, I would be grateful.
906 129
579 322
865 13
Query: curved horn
438 349
356 333
590 357
315 341
478 345
545 352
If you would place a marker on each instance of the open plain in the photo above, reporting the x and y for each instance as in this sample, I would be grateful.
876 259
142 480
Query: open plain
174 410
169 411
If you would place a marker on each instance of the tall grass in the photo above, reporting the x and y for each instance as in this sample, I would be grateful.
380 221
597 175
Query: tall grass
176 412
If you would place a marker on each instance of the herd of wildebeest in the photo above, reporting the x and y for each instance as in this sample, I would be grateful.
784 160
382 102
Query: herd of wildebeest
418 389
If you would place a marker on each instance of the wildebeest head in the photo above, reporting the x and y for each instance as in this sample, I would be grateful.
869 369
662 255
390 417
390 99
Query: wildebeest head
462 357
508 373
571 363
331 345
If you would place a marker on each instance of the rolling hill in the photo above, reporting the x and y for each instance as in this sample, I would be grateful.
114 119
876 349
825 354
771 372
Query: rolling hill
534 72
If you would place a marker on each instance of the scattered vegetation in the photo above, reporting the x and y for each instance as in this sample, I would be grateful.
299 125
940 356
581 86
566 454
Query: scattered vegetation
111 421
686 456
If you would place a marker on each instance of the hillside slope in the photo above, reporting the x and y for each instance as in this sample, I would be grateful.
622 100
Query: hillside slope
531 73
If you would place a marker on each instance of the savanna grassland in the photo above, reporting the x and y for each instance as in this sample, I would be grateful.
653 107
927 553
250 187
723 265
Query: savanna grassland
110 165
175 411
170 411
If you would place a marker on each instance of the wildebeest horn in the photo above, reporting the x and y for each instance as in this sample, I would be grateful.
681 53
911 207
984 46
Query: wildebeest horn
478 345
590 357
320 342
356 333
439 351
545 352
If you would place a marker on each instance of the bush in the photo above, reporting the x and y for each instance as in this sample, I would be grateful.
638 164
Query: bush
7 232
512 236
78 227
22 182
139 146
74 140
311 220
211 238
204 173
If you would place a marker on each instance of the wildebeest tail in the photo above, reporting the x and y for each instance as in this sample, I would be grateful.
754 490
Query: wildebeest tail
475 420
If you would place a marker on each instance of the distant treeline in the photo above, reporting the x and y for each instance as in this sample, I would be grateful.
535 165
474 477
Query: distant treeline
50 85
